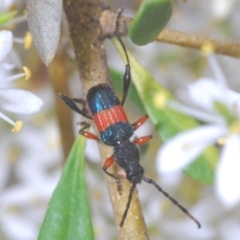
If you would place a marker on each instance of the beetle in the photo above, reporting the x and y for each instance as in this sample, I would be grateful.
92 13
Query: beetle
107 113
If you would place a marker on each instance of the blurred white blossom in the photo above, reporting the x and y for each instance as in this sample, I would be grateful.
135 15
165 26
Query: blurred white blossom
37 168
221 8
15 100
212 102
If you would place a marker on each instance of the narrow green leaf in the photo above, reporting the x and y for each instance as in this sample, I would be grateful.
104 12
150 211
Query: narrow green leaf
151 18
68 216
224 111
5 17
169 122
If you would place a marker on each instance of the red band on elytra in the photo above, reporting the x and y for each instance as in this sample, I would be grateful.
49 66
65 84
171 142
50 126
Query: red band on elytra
109 116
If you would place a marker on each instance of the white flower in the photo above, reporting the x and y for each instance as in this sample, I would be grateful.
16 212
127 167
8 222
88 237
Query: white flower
15 100
212 102
221 8
23 202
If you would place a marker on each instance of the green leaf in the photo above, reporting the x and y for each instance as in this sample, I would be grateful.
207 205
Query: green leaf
169 122
68 215
224 111
5 17
203 168
151 18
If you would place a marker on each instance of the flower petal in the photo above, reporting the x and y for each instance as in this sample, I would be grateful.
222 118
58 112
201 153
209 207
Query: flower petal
221 9
234 102
194 112
185 147
228 172
217 71
19 101
208 88
6 40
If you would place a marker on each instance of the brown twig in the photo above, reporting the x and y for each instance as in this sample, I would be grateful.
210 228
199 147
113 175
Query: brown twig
108 23
171 36
196 41
86 35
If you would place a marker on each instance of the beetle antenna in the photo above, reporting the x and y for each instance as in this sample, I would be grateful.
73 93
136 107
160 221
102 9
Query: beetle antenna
150 181
128 205
123 46
127 74
119 12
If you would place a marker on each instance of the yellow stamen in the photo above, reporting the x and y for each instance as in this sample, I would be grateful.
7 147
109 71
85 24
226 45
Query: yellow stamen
17 126
235 127
207 48
160 100
186 146
222 141
27 72
165 206
27 40
13 153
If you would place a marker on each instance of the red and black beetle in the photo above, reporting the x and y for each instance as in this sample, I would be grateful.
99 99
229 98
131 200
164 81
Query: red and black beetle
115 130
